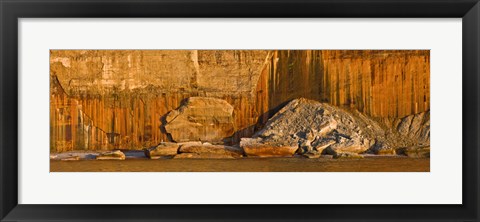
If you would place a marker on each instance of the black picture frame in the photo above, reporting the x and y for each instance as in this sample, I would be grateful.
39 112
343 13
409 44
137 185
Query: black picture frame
11 11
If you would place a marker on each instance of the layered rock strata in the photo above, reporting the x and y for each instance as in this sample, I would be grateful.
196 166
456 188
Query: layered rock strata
108 99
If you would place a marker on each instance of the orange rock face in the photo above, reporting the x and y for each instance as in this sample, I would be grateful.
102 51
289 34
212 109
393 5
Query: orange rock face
380 83
107 99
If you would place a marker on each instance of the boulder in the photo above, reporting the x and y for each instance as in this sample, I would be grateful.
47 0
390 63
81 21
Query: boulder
163 149
320 147
201 118
71 158
416 126
381 148
212 149
190 143
415 151
257 148
112 155
312 155
386 152
413 128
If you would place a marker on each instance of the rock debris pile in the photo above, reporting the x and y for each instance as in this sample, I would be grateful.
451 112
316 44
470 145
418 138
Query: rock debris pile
312 128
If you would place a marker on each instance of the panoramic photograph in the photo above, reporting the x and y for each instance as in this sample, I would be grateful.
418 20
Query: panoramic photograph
239 111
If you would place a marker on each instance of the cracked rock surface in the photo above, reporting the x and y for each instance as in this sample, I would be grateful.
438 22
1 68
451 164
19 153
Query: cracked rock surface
314 127
201 119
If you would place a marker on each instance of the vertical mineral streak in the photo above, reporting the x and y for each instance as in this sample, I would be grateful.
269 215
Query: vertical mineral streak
381 83
105 99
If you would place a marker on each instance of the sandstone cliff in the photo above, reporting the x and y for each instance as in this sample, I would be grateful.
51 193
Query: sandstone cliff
105 99
380 83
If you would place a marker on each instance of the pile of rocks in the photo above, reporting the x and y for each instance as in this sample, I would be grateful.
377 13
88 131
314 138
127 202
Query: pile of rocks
311 128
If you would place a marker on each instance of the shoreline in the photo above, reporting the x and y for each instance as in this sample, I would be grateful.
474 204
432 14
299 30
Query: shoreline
140 154
273 164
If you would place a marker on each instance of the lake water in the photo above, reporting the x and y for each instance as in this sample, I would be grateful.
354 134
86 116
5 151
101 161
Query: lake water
367 164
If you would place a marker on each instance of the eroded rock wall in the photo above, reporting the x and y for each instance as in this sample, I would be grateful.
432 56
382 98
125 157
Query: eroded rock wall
105 99
106 72
380 83
125 94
